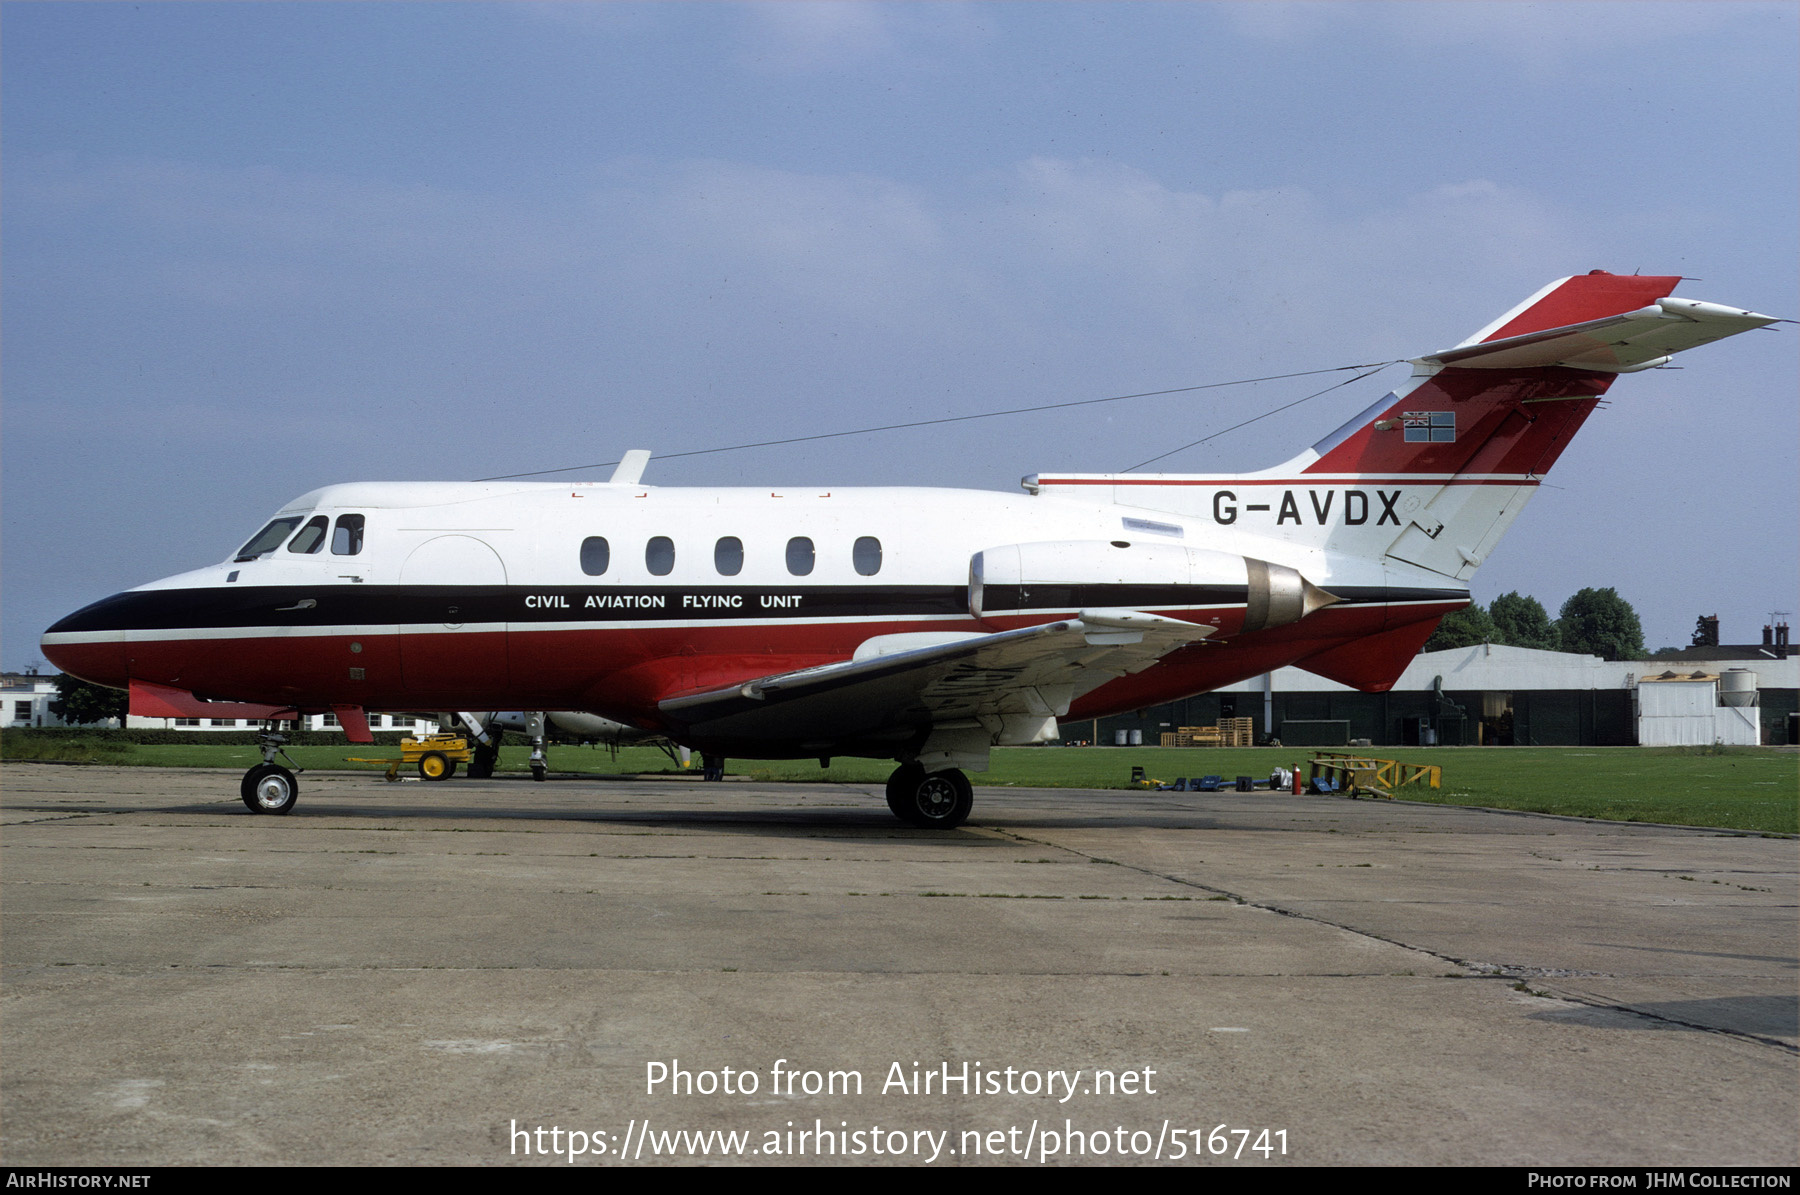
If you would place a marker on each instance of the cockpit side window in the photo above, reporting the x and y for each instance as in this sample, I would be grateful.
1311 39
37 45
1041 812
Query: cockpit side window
311 537
268 539
347 537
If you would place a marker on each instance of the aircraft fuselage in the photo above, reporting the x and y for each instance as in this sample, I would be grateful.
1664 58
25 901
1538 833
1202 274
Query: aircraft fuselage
608 598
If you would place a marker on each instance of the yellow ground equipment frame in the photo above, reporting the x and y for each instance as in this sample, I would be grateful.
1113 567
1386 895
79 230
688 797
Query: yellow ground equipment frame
1359 774
436 756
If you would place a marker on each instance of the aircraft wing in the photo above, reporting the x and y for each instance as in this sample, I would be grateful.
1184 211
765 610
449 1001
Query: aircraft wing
1004 682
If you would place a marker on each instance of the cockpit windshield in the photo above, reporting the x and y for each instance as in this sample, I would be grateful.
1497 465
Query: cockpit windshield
268 539
311 537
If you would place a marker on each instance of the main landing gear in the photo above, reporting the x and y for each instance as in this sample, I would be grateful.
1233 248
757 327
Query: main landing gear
930 800
534 730
484 755
481 764
268 787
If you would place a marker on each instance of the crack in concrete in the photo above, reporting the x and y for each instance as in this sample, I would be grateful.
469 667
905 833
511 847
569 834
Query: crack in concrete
1501 971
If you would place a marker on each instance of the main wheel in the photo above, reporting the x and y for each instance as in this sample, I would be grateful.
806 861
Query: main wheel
481 767
435 765
540 771
930 800
901 781
269 788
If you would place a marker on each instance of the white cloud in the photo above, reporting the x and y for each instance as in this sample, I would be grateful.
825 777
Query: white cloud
1280 268
813 35
1052 252
854 243
1540 34
812 32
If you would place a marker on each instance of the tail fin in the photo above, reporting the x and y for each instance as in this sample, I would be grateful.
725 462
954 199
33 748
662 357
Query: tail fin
1460 447
1483 407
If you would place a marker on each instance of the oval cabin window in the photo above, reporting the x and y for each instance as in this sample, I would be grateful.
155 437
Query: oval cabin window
728 556
800 556
596 554
866 555
659 556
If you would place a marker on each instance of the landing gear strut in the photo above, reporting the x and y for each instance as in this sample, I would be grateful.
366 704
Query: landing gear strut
487 746
481 766
534 730
268 787
930 800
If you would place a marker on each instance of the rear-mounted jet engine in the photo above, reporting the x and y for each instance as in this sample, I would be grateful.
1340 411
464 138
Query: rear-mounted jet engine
1062 575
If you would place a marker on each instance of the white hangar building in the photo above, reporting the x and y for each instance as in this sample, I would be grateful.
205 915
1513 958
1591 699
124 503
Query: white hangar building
1491 694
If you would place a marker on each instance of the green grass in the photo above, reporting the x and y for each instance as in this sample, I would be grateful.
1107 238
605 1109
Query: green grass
1752 789
97 749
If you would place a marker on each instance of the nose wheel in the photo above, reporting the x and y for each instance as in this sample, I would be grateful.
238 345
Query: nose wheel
930 800
269 788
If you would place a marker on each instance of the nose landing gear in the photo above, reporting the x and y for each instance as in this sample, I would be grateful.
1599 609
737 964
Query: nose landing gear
268 787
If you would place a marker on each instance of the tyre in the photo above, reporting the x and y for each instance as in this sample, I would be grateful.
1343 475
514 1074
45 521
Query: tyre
930 800
269 788
481 767
540 772
901 781
435 765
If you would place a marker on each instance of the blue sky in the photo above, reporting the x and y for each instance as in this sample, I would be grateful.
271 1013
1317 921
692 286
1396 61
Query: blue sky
250 249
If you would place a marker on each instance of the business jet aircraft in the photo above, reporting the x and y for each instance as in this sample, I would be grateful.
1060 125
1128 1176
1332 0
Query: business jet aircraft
919 625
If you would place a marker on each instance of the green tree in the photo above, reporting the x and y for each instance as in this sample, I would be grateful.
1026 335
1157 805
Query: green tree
1600 623
1463 628
79 703
1523 622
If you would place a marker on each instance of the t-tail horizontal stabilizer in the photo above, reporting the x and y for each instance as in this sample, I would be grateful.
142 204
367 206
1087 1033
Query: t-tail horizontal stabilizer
1504 403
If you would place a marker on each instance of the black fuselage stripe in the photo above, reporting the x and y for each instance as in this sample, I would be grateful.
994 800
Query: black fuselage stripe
375 605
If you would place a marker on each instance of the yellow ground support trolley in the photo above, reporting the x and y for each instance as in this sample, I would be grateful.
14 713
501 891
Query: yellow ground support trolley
436 756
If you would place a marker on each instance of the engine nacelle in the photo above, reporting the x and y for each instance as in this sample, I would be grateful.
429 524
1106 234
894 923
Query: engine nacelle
1087 574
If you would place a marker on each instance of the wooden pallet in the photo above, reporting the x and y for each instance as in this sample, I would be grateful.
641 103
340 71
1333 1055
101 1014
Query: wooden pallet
1193 736
1237 732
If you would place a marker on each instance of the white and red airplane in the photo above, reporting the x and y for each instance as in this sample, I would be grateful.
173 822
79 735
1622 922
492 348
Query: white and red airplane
920 625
